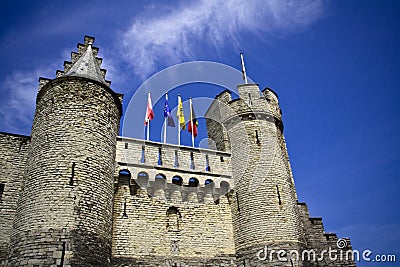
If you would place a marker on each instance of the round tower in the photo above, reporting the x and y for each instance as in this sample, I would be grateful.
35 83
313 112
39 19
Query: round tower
264 201
64 214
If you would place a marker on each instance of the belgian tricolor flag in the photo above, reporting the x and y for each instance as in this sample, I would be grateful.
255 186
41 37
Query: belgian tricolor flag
192 125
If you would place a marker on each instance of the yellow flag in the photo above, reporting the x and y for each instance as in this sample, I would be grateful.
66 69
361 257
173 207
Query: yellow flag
180 114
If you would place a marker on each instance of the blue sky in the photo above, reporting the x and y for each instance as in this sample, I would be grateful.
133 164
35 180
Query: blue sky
334 65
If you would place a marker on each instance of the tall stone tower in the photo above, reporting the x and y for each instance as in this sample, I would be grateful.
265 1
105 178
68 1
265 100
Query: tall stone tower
64 214
264 201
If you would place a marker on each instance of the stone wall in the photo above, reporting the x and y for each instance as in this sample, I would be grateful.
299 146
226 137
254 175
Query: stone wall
13 151
64 214
318 240
159 223
264 211
153 231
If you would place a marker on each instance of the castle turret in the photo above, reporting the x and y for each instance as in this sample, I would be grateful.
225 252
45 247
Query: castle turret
64 214
264 202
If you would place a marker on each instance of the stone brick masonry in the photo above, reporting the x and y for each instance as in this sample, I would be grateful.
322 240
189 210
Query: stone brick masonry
75 194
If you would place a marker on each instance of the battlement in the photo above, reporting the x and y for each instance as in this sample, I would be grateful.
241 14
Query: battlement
224 112
175 173
250 105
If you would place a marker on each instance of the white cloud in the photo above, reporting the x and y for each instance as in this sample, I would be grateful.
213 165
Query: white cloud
172 35
18 102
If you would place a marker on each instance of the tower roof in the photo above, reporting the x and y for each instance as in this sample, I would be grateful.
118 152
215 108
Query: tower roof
87 66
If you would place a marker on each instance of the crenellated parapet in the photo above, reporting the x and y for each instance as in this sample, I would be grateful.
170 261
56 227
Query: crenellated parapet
317 240
175 173
226 112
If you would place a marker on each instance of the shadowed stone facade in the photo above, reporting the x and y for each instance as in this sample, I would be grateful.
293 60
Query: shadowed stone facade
74 193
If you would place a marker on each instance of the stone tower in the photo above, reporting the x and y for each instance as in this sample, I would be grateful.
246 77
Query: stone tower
64 213
264 201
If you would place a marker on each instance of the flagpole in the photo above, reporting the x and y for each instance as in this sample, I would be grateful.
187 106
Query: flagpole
243 69
148 129
165 130
148 120
191 120
165 121
179 121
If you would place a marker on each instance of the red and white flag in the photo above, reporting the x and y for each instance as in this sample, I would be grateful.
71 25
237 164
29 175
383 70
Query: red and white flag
149 111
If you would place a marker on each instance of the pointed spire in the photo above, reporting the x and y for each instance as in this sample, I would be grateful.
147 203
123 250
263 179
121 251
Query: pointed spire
87 66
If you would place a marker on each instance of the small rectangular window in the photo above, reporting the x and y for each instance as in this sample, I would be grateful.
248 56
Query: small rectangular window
1 190
126 145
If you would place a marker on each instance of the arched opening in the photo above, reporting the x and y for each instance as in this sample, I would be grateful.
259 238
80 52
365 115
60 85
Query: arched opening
160 176
208 181
142 179
124 173
124 178
173 216
225 187
160 180
177 180
193 182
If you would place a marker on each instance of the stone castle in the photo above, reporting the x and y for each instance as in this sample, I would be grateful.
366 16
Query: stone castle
74 193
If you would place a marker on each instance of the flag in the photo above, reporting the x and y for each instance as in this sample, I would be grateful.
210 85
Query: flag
149 111
167 113
180 114
192 125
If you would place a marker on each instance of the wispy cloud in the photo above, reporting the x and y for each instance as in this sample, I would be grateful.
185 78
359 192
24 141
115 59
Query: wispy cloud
20 88
172 34
18 102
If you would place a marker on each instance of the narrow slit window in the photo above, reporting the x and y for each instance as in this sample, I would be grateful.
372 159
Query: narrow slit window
221 158
176 162
257 139
2 186
62 255
71 180
125 215
191 161
126 145
250 101
207 164
279 195
143 158
159 156
237 202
